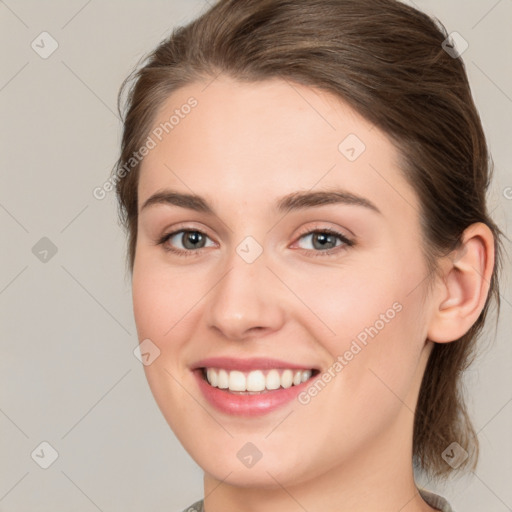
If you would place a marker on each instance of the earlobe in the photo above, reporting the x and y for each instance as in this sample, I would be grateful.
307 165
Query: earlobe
463 285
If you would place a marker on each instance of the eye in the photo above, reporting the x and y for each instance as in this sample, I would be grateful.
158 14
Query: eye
189 242
185 241
325 241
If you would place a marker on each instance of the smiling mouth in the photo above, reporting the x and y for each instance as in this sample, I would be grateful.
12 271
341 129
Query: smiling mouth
256 381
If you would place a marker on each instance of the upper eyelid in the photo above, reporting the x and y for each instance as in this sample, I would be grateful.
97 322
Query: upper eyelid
324 228
306 231
187 229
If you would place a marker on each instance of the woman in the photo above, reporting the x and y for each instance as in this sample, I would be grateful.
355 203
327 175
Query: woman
303 186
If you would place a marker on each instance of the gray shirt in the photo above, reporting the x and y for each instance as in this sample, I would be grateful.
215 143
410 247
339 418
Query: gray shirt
434 500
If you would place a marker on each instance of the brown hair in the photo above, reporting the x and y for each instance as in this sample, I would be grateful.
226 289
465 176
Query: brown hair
385 59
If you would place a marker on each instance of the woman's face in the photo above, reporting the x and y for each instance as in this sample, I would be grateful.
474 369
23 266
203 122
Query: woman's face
334 283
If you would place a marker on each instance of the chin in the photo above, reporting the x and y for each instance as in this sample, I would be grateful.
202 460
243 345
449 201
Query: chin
268 472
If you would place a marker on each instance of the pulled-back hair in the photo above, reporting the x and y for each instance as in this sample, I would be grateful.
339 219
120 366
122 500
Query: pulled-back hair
386 60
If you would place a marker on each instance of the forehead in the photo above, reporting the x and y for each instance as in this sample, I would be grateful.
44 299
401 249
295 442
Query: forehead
262 139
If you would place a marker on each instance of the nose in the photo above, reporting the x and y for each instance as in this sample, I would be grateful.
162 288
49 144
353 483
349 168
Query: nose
247 301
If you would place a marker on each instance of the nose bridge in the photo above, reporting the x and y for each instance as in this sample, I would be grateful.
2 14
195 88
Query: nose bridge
244 300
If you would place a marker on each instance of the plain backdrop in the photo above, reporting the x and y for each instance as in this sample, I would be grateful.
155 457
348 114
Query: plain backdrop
68 373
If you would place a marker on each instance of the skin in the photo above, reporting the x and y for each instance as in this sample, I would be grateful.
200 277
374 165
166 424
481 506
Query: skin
243 147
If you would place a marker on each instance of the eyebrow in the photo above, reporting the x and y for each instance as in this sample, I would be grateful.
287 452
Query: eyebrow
294 201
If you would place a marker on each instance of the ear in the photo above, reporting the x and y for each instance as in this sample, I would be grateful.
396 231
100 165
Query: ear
463 286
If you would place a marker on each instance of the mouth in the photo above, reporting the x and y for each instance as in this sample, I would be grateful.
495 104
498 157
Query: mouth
251 387
255 382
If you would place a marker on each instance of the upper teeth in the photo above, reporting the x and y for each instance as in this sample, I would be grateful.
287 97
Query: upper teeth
255 380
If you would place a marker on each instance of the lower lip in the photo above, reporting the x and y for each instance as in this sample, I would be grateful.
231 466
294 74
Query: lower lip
247 405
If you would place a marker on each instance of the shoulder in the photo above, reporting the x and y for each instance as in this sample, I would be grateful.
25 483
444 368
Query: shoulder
436 501
195 507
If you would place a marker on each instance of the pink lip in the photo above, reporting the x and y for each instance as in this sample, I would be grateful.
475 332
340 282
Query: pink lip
257 363
247 405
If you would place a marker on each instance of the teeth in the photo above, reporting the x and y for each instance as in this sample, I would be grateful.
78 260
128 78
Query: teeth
213 377
223 381
287 379
236 381
256 380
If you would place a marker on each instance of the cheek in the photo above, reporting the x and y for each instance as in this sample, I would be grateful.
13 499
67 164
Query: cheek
161 297
161 300
375 355
368 321
362 295
342 302
148 304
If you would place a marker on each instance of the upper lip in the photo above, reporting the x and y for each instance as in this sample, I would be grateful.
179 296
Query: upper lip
257 363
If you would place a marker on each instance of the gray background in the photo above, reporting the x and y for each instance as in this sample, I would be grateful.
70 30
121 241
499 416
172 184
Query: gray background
68 373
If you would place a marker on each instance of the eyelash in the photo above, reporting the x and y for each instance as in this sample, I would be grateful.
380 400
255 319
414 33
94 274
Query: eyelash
328 252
